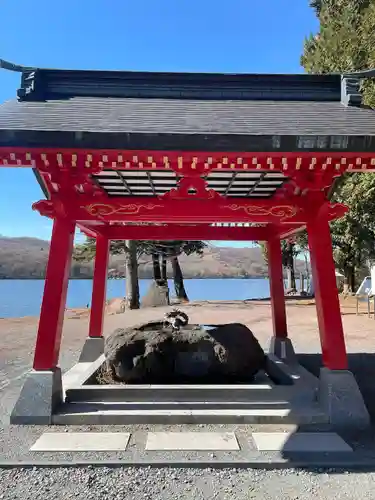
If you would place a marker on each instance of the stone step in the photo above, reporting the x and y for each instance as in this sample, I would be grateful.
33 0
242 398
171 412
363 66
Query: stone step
181 393
183 405
122 414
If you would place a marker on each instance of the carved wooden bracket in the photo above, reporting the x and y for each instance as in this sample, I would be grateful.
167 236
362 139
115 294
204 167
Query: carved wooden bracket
50 208
192 187
70 182
307 181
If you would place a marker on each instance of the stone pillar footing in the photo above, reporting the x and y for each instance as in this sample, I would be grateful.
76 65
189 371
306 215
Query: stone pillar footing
340 397
92 349
282 348
41 394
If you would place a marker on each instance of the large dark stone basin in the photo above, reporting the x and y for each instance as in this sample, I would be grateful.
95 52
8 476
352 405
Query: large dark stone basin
153 353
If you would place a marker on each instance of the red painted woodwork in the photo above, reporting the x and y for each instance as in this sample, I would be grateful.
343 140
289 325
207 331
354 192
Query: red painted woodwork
191 233
54 298
145 209
326 295
75 196
275 269
99 287
87 231
46 158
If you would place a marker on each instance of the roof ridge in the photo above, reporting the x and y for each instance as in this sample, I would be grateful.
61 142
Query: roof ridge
14 67
364 73
50 84
40 85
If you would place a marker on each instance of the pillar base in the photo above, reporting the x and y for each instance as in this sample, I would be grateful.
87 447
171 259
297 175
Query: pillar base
92 349
340 397
283 349
40 395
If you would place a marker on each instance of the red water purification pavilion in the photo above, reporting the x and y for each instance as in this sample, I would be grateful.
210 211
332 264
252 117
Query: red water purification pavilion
168 156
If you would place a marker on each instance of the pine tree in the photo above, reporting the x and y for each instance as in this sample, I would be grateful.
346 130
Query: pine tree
170 250
160 252
345 43
130 249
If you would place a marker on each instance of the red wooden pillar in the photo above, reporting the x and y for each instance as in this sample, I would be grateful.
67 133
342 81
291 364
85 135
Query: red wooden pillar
326 295
275 270
54 298
99 287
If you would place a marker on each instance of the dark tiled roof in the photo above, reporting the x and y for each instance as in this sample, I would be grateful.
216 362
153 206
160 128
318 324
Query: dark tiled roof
46 84
172 116
138 110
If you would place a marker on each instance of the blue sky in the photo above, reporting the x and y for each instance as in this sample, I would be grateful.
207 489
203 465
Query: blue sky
170 35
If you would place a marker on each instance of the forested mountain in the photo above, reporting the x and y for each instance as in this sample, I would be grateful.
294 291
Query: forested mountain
25 258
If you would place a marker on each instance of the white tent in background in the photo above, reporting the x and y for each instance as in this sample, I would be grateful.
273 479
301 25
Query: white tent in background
372 272
367 286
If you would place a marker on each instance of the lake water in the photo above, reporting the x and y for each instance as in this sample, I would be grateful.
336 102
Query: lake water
23 297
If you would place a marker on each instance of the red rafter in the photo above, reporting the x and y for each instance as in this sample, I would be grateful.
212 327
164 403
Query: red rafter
182 161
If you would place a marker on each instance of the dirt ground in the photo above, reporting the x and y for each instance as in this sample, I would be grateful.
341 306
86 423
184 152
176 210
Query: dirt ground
17 335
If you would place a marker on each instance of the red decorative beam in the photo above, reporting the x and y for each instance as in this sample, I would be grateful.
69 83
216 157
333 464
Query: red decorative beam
190 233
289 231
146 209
172 210
46 159
90 232
328 211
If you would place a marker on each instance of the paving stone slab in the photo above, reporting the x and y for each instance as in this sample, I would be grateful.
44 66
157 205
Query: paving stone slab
197 441
81 441
300 442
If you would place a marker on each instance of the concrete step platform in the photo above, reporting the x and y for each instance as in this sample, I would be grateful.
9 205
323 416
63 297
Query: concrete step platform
261 446
196 441
122 414
188 393
177 405
179 393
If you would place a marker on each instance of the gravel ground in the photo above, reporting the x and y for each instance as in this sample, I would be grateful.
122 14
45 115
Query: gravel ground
15 442
18 337
169 484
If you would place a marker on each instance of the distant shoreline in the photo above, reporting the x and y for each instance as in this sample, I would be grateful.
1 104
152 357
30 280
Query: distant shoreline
78 313
149 278
26 259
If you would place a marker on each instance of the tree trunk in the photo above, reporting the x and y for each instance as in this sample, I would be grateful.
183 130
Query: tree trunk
349 280
156 267
164 268
131 273
302 283
293 276
178 279
288 279
290 269
307 273
346 286
352 280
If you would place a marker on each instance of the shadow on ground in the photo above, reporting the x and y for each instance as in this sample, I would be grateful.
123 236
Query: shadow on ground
362 365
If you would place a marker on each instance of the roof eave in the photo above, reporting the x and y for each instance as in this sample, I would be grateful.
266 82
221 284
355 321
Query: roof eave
41 183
